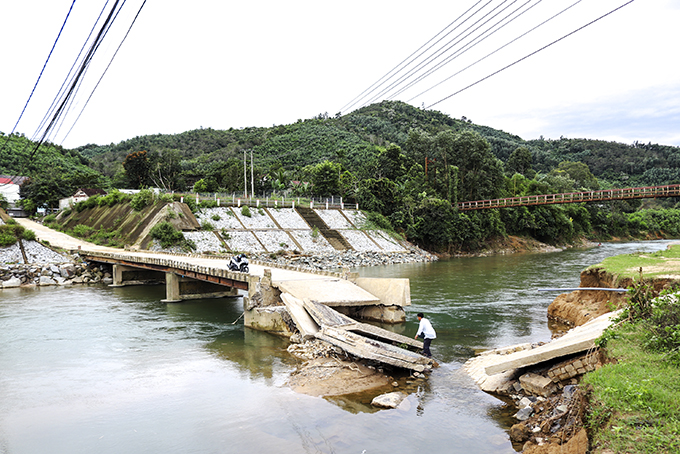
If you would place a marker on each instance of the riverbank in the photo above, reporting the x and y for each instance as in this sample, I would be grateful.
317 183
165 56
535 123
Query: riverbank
563 414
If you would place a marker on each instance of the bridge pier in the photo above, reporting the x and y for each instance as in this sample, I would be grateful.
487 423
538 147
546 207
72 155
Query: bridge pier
263 308
129 275
179 288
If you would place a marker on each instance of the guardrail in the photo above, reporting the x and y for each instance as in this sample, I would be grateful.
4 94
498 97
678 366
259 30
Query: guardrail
672 190
330 203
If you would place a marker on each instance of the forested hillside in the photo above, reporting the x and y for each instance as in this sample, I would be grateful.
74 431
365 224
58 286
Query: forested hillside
408 166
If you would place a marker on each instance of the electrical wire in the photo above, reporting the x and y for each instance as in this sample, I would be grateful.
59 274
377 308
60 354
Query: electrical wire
104 73
435 56
40 75
60 93
531 54
500 48
79 74
370 89
498 26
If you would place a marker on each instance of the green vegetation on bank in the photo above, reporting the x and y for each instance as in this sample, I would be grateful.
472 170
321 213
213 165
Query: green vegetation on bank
407 165
653 264
635 399
11 232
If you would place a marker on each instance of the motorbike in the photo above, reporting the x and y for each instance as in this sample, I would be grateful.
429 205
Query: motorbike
239 263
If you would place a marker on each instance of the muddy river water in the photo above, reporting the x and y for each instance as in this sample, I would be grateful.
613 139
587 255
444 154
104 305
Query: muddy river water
104 370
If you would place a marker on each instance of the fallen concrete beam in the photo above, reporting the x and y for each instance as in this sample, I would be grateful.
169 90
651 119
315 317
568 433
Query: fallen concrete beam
576 340
304 322
373 349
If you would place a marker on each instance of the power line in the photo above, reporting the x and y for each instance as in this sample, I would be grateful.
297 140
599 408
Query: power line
531 54
437 54
500 48
68 75
107 68
40 75
498 26
354 101
78 76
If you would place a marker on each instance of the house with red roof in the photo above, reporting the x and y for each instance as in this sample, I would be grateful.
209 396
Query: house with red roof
9 187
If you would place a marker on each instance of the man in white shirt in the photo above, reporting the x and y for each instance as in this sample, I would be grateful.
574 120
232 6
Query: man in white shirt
425 329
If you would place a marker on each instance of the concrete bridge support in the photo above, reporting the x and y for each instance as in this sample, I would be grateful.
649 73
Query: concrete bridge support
179 288
263 308
129 275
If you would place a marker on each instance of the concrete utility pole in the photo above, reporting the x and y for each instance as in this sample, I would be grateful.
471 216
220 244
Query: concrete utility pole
245 176
252 179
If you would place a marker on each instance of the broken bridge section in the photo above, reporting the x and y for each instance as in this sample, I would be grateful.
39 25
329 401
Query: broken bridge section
318 321
286 300
495 369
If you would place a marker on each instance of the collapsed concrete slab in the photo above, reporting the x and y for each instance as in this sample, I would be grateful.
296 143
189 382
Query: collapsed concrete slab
366 341
330 292
577 340
495 371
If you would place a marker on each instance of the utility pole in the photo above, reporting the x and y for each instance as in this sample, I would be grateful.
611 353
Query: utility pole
252 179
245 176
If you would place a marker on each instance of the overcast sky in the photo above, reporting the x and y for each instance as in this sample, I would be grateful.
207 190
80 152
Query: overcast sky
219 64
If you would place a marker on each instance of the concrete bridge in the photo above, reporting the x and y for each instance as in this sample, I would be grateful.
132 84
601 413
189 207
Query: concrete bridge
283 300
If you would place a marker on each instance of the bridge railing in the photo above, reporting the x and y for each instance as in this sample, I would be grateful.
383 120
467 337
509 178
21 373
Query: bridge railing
575 197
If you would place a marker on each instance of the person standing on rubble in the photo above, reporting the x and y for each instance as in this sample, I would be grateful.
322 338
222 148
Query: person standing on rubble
426 331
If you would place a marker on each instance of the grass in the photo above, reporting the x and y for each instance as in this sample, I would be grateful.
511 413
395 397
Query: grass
653 264
635 400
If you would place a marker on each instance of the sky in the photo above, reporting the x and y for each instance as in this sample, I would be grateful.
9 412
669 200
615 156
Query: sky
209 63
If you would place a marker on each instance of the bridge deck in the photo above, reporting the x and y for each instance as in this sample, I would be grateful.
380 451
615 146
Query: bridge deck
325 287
574 197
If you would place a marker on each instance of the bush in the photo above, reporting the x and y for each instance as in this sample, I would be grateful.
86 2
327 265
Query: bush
166 198
245 211
216 217
28 235
11 232
205 225
166 234
7 237
142 199
90 202
81 231
50 218
114 197
663 333
208 203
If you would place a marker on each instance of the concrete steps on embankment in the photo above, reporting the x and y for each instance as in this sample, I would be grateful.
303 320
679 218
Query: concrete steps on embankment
336 240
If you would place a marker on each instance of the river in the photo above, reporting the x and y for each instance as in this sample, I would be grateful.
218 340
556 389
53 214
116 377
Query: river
112 370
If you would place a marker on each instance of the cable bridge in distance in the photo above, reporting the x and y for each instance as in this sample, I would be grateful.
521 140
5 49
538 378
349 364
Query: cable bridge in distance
672 190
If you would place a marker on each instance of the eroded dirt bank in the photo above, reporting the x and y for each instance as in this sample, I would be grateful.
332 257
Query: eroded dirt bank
579 307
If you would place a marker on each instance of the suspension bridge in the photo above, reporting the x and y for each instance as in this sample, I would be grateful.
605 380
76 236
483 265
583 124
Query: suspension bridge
672 190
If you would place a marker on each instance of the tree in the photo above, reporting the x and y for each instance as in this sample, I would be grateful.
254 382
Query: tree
326 178
480 173
579 172
391 163
137 169
520 161
166 171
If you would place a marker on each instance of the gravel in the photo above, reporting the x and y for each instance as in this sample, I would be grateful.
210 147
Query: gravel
334 219
288 218
35 253
310 243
